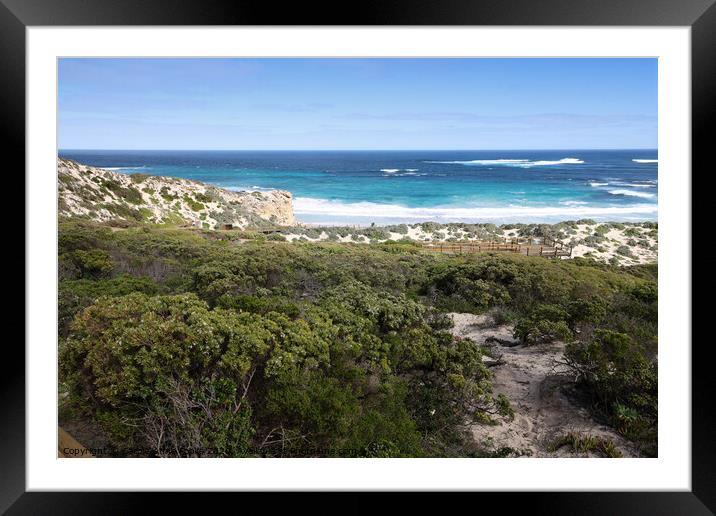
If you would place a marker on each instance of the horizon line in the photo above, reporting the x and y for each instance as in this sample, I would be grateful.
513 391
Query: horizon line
366 150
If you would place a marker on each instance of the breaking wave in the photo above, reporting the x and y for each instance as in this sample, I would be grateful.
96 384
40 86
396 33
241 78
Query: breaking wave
632 193
325 208
635 185
247 188
394 172
524 163
142 167
406 172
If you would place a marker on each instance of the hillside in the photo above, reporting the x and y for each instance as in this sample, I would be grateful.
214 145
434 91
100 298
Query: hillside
103 195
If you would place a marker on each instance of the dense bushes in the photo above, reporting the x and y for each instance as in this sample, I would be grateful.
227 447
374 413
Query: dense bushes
94 263
545 324
75 295
622 381
265 348
467 287
166 375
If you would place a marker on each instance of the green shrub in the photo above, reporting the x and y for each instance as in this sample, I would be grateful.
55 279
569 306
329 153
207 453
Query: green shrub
120 365
357 363
401 229
129 194
194 204
249 235
259 305
616 371
584 443
123 211
202 197
624 250
586 310
594 240
468 287
601 230
385 427
74 295
167 194
94 263
138 178
311 374
546 323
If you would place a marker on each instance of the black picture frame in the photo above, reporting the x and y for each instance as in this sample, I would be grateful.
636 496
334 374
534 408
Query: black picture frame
700 15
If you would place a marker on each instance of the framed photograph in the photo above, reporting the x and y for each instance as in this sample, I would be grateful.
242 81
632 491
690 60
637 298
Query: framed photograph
413 250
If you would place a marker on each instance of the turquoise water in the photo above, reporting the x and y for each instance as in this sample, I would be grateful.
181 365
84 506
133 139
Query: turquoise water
360 187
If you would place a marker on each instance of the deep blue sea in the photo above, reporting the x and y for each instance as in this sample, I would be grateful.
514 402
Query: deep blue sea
360 187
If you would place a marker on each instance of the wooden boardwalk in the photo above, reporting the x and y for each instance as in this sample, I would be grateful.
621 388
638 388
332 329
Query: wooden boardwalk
536 246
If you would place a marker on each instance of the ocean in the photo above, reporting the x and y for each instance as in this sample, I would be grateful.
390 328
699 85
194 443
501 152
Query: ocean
387 187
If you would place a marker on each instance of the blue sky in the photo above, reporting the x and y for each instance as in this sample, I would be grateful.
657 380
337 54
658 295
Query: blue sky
236 104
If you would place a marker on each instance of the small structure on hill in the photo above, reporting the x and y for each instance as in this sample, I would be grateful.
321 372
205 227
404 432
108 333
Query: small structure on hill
227 226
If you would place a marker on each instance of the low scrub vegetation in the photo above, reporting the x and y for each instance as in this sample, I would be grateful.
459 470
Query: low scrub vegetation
190 343
586 444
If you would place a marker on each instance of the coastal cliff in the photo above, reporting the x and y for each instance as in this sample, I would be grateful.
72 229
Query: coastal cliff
103 195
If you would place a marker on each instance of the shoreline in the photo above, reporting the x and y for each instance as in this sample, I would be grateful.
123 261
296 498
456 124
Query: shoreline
596 194
329 212
516 222
103 194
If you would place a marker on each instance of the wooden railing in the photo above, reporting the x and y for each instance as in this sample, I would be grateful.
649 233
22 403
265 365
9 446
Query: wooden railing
545 241
539 246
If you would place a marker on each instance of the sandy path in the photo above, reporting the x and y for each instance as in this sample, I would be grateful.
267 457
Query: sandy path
526 375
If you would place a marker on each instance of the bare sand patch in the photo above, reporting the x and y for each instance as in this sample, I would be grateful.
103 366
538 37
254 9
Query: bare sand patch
531 378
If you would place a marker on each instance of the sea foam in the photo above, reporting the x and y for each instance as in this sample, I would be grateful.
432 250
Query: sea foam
142 167
635 185
325 209
524 163
563 161
632 193
395 170
645 160
247 188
